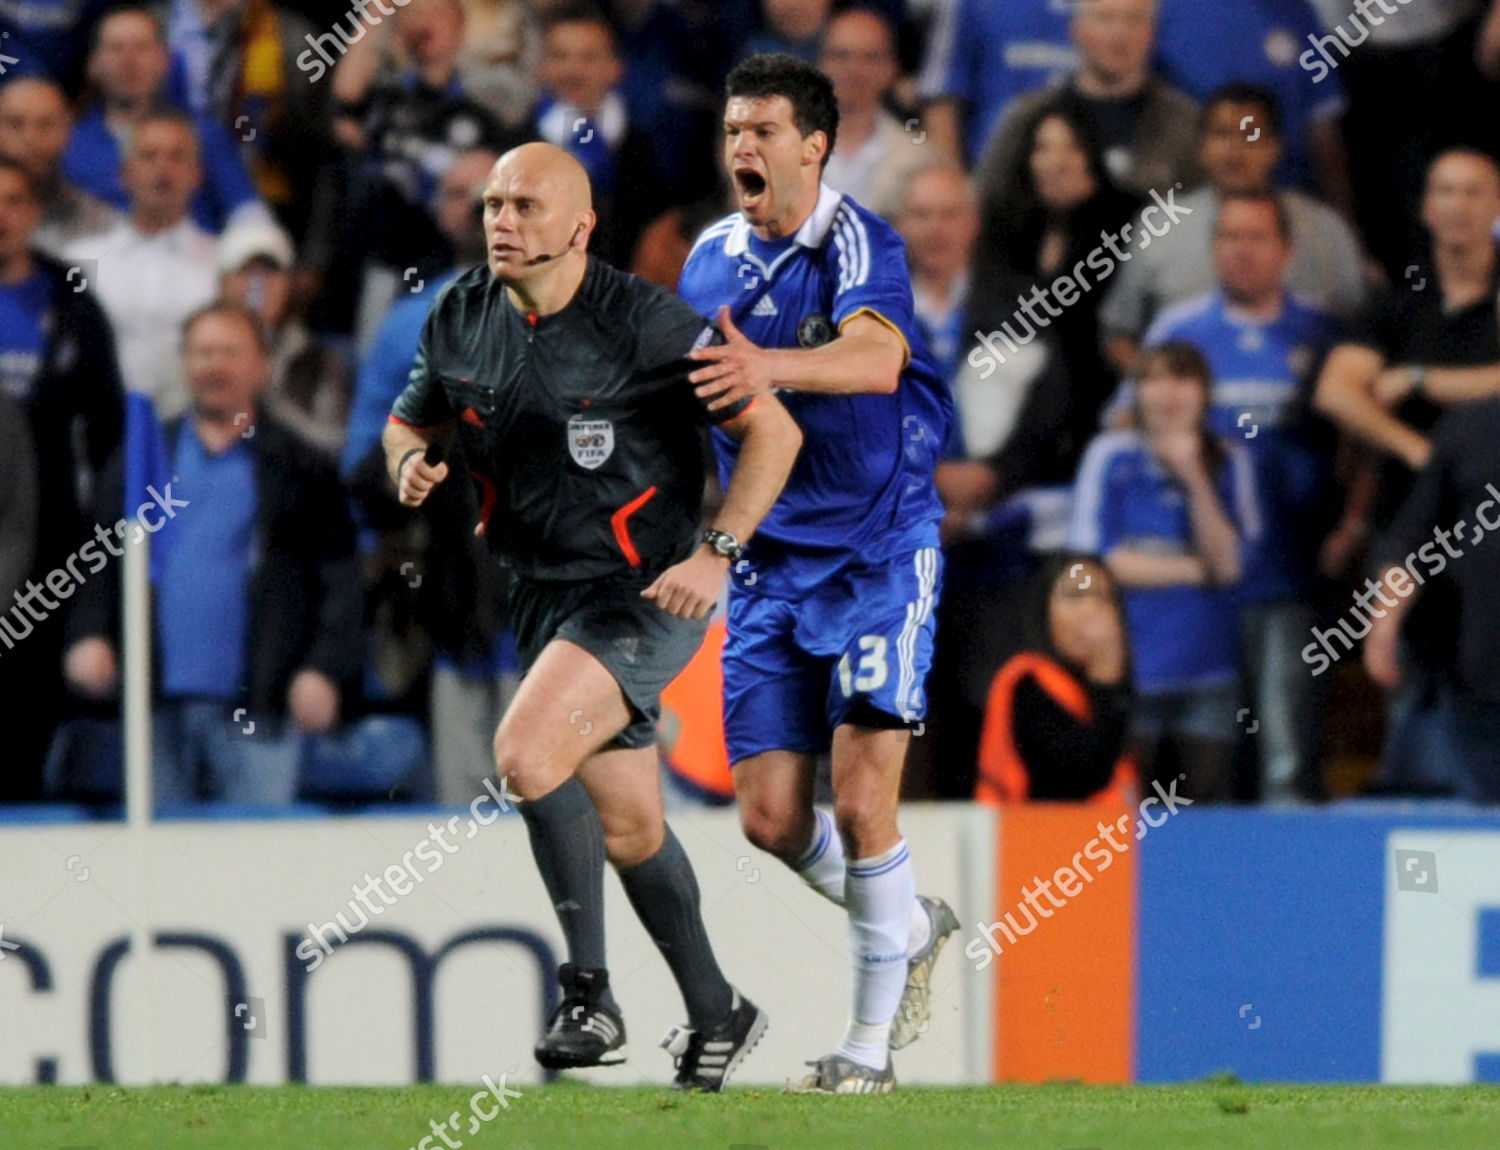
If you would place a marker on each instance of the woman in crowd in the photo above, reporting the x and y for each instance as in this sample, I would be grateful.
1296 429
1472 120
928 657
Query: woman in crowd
1046 220
1168 506
1058 716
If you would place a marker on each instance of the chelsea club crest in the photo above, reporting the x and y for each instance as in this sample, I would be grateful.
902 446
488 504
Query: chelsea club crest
815 330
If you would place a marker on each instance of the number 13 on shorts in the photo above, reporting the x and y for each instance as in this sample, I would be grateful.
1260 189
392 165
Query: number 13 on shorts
885 663
795 670
871 671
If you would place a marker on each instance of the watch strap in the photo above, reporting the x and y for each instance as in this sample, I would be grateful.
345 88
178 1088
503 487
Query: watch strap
723 542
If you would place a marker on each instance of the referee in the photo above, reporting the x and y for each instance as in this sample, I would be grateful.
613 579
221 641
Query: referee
563 383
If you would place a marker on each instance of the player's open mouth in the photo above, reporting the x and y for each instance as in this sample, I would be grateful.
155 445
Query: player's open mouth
751 186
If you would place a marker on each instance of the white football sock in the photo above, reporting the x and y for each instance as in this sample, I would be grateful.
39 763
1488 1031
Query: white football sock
822 868
921 926
879 893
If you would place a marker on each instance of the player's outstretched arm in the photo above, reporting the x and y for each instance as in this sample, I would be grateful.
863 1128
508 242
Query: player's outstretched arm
769 441
867 357
405 447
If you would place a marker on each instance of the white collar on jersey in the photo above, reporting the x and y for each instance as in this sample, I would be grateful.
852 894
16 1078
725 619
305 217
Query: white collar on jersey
811 234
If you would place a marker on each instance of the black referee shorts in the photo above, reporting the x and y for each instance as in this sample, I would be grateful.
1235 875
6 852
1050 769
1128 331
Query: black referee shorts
642 646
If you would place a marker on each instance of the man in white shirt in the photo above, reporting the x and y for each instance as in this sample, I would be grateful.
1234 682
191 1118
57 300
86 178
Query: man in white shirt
156 267
875 154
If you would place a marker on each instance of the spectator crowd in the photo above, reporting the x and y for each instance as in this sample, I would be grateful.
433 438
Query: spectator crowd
1215 287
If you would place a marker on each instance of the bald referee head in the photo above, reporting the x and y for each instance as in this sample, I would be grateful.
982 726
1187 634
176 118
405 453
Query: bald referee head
538 215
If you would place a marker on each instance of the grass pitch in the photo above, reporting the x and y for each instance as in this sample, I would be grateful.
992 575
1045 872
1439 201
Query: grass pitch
1212 1115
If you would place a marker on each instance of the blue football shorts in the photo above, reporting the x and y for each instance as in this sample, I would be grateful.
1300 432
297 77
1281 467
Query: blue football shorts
856 649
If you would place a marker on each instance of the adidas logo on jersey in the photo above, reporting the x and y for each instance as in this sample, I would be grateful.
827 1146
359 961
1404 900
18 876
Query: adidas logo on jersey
765 306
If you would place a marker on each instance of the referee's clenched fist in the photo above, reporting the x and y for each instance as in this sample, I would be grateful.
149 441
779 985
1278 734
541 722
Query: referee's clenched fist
415 477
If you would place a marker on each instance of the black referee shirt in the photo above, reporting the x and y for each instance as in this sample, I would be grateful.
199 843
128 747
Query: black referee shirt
580 427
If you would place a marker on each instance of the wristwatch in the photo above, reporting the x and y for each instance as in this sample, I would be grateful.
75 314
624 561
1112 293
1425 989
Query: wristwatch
724 543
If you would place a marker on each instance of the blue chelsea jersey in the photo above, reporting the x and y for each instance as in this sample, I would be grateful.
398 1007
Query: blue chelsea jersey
1182 636
1263 371
1262 368
863 486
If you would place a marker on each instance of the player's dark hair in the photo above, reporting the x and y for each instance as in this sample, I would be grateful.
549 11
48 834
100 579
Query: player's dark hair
233 311
14 167
1239 92
1267 199
766 75
1182 359
583 13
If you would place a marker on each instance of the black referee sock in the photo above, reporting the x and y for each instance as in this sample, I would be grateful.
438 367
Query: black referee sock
664 892
567 841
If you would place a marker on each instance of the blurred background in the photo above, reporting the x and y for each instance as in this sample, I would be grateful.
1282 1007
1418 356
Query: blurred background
1260 384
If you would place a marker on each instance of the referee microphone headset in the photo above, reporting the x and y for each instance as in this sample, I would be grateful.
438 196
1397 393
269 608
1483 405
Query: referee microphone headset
543 258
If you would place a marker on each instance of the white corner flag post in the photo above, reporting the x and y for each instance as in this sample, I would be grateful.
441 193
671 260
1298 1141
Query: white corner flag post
136 705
